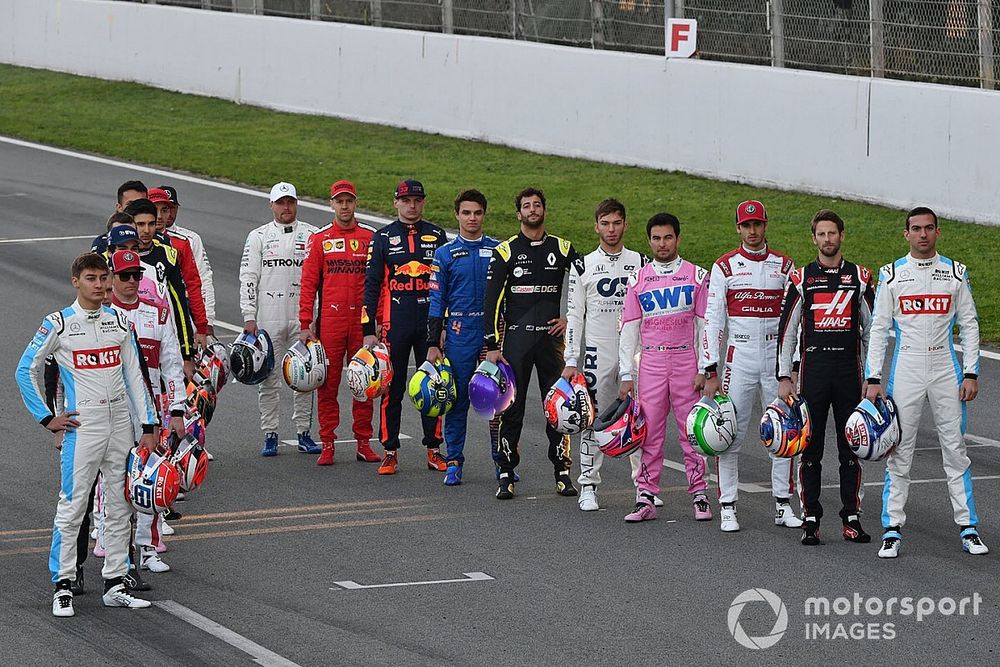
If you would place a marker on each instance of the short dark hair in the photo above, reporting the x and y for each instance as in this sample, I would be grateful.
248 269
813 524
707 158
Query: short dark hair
89 260
138 186
528 192
826 215
920 210
608 206
120 218
663 220
470 195
140 206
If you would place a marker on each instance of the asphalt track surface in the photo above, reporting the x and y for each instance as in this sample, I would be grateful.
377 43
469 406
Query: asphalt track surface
256 556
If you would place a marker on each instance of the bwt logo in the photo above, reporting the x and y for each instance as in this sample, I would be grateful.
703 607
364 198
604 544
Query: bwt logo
667 298
612 286
925 304
106 357
777 608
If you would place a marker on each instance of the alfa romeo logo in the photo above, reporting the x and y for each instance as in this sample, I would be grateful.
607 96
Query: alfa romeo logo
777 607
751 208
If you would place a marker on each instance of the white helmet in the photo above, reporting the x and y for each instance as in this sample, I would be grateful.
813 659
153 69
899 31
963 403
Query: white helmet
304 366
873 430
711 425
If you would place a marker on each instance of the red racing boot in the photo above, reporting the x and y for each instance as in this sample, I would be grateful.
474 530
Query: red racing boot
326 456
366 454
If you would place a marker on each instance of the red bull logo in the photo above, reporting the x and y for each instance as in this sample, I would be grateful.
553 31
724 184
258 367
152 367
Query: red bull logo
413 268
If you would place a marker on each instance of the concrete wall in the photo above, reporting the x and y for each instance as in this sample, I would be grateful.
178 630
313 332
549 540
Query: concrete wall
883 141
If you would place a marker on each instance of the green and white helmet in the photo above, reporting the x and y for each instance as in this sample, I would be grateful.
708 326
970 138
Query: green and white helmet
711 425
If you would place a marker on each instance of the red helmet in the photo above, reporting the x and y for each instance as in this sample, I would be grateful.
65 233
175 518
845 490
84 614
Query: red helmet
151 481
621 428
191 461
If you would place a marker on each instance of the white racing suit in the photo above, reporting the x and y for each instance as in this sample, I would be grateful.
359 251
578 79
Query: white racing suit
744 296
921 300
597 297
154 327
100 368
270 276
203 265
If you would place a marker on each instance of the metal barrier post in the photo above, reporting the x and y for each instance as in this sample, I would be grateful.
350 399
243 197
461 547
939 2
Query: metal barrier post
987 77
777 16
377 13
448 16
597 23
315 9
877 37
513 19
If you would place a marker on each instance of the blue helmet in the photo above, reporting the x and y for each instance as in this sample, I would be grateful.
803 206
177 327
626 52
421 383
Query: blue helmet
873 429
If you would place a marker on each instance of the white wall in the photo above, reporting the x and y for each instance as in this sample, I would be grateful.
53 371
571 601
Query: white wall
890 142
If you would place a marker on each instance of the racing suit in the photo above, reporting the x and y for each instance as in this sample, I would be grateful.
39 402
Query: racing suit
158 343
100 368
744 295
164 260
334 270
399 266
192 280
201 262
524 288
663 320
270 273
921 300
457 290
597 297
827 311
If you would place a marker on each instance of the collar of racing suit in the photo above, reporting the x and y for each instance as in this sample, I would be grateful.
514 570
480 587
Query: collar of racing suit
527 240
91 314
755 255
922 263
286 229
121 304
666 268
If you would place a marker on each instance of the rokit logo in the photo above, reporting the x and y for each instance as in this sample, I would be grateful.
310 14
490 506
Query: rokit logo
832 310
925 304
105 357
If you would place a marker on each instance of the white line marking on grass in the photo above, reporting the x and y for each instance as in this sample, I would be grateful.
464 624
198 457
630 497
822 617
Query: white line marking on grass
48 238
468 576
260 655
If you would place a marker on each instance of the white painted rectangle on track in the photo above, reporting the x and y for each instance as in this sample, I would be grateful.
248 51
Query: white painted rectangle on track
467 577
261 655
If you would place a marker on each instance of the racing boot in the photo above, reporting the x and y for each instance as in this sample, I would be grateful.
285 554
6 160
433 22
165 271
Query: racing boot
891 540
810 532
307 445
644 510
453 476
389 464
564 485
971 542
783 514
728 522
435 461
132 579
62 599
366 454
117 595
326 456
853 532
702 510
151 561
517 478
270 447
505 489
588 498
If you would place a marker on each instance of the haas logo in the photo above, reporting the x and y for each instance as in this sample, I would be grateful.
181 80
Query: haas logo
105 357
832 310
925 304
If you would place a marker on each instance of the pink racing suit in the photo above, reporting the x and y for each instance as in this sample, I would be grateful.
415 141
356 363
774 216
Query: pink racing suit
662 320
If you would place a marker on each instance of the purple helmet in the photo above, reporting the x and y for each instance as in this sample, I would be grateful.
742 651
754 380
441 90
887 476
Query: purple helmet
491 389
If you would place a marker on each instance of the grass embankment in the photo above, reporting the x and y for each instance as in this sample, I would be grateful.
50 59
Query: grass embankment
258 147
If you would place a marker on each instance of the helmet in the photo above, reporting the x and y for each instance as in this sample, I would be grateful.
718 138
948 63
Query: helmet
369 372
304 366
214 365
785 427
568 407
194 425
151 481
191 461
873 429
201 399
711 425
432 388
252 357
492 389
621 428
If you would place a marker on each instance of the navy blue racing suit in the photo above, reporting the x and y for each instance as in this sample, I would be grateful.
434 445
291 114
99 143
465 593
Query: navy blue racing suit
458 290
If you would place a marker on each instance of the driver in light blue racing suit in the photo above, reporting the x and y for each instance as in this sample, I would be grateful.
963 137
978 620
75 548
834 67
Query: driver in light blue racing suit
458 291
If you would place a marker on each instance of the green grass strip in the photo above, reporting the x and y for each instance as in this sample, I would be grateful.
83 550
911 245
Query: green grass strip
258 147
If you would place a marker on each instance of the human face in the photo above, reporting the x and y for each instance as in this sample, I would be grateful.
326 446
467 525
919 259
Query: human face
343 206
828 238
409 208
162 214
752 233
126 285
128 197
663 243
532 211
91 286
285 210
170 215
922 233
610 229
470 219
128 245
145 227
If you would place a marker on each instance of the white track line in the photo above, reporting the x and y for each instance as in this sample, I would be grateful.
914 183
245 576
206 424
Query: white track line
468 576
918 481
747 487
295 443
260 655
975 440
48 238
